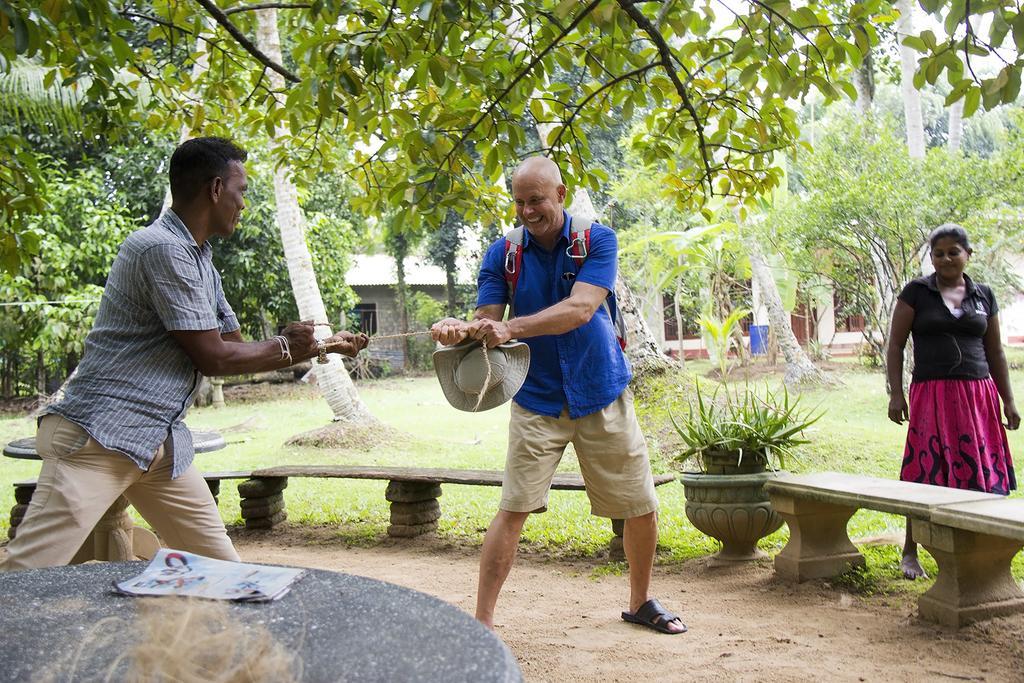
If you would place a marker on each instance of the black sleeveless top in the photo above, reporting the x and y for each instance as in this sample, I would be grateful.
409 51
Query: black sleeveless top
947 347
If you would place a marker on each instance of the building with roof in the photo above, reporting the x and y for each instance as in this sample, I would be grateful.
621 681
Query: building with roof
374 278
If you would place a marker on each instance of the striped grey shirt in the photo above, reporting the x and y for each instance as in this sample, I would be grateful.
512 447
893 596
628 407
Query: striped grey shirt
135 383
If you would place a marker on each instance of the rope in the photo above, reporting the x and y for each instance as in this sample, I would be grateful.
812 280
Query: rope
483 348
487 378
62 302
397 336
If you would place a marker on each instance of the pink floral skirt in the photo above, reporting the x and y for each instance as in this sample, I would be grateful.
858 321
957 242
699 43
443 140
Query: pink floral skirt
956 437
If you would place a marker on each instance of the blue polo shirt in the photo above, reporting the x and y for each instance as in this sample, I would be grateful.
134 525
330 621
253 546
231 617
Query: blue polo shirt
583 369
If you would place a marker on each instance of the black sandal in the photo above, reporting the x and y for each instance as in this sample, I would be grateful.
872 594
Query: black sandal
652 615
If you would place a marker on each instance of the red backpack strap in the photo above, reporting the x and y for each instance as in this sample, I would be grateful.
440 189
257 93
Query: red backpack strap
579 249
579 240
513 264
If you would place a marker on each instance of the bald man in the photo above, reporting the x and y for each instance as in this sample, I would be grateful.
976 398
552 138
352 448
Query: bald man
576 390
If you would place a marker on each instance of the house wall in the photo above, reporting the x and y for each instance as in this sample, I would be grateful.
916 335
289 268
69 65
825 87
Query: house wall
388 319
1011 313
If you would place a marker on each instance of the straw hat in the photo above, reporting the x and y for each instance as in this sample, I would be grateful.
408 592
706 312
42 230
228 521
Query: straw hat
462 372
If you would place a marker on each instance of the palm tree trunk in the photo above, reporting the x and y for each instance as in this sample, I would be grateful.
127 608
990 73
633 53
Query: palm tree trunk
956 126
332 378
799 368
676 311
911 96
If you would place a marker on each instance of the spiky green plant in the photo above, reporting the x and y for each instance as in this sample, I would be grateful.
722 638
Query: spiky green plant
764 425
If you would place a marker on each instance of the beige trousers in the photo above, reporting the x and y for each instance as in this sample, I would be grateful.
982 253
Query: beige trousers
80 479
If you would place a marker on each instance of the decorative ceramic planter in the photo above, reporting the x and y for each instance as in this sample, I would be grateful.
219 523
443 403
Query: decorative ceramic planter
732 508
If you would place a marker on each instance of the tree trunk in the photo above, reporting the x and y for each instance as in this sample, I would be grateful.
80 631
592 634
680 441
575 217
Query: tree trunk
887 291
403 308
642 349
911 96
799 368
40 373
450 285
679 320
332 378
956 126
864 82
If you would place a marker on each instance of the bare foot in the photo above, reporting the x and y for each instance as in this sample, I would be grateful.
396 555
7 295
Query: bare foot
912 568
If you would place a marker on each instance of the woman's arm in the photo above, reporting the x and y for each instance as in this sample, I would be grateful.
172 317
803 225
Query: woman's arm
1000 371
902 320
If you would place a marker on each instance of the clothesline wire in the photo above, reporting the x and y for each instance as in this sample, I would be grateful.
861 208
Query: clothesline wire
61 302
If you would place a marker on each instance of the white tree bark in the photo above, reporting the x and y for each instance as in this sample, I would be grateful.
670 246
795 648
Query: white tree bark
956 126
332 378
864 82
799 368
911 97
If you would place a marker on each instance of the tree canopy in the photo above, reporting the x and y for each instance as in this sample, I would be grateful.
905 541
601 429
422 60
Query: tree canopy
435 96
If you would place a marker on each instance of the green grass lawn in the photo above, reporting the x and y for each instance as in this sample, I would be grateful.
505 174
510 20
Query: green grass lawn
853 436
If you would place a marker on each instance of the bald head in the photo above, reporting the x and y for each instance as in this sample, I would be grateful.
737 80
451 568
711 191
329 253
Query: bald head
538 168
539 194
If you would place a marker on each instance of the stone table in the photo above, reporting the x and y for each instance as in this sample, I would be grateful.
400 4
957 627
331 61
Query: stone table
115 536
340 627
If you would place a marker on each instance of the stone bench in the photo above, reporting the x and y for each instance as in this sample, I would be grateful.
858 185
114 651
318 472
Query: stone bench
978 546
412 492
973 545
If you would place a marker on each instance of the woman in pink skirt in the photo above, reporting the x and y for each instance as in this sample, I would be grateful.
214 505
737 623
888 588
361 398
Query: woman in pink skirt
956 436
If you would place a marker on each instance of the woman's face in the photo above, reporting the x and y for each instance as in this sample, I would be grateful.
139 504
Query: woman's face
949 258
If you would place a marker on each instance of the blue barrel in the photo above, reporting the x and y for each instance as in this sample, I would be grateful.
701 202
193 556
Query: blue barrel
759 339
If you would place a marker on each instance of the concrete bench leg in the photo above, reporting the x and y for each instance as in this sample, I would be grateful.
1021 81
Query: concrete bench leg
818 543
974 580
22 497
263 501
616 551
113 538
415 508
214 485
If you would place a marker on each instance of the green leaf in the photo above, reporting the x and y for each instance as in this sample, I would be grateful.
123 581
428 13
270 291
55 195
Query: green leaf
744 46
437 71
971 101
565 8
1012 88
916 43
1018 31
537 110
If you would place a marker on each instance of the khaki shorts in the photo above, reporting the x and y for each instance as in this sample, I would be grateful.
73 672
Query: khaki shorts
80 479
611 451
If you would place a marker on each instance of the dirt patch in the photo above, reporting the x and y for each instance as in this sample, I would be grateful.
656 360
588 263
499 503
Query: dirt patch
561 618
346 435
267 391
18 406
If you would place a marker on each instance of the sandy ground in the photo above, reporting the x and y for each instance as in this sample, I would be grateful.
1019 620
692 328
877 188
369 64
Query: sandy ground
561 619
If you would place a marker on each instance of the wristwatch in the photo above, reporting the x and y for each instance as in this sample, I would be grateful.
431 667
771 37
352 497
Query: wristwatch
321 352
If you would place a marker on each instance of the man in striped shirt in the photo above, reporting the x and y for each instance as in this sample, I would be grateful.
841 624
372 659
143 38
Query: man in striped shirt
162 324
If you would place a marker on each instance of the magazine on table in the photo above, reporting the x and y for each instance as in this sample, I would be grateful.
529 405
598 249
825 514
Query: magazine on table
176 572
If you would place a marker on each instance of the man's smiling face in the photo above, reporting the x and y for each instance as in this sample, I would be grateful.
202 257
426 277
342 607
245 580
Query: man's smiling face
539 199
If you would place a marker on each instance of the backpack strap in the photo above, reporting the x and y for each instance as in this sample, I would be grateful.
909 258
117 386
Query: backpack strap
578 250
579 240
513 264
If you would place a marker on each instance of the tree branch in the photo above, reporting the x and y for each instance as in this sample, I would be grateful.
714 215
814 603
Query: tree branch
246 44
267 5
645 25
520 76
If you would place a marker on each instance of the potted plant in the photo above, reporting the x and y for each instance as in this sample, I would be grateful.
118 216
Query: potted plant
740 439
